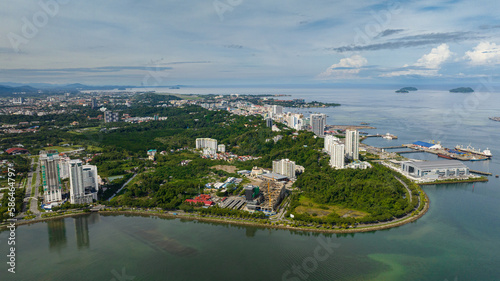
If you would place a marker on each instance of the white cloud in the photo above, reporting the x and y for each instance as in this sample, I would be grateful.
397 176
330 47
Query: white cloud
347 67
485 53
428 65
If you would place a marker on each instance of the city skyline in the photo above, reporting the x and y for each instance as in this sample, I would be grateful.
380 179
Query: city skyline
248 43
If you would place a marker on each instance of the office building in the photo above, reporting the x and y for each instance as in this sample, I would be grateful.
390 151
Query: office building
284 167
337 155
318 123
110 117
202 143
52 188
352 144
433 170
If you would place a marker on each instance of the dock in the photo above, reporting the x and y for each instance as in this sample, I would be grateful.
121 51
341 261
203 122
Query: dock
447 153
480 173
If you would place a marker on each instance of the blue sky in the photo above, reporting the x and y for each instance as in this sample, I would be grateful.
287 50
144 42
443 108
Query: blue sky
230 42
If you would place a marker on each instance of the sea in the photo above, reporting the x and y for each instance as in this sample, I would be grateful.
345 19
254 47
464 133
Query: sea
457 239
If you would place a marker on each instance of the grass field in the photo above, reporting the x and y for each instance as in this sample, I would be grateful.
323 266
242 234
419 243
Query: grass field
61 149
308 206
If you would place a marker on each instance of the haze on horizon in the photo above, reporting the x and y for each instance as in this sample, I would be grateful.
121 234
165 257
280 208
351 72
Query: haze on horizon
232 42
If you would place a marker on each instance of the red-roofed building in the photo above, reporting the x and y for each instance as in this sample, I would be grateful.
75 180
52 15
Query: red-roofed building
203 198
16 150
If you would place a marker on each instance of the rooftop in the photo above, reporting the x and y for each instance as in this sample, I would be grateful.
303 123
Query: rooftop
437 164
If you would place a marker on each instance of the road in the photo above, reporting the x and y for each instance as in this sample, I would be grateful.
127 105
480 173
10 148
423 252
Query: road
33 200
122 187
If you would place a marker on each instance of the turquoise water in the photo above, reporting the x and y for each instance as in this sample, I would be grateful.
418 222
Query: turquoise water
456 240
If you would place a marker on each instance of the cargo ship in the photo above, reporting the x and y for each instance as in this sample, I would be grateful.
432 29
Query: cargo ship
470 149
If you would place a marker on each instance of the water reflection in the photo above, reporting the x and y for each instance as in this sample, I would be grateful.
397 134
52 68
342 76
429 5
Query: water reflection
57 234
82 232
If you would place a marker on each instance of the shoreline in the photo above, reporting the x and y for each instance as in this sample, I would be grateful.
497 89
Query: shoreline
382 226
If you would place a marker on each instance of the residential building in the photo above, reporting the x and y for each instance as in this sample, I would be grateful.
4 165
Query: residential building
329 140
221 148
352 144
206 143
63 167
151 154
90 180
284 167
52 188
76 180
318 123
337 155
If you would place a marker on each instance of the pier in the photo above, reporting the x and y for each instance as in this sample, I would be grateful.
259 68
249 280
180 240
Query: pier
480 173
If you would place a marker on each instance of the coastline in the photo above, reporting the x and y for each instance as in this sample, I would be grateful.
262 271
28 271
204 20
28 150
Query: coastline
382 226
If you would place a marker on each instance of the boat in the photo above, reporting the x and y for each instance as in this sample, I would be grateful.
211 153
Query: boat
470 149
445 156
496 176
495 119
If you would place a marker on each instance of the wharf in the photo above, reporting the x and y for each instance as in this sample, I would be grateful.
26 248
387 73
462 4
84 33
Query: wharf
445 153
480 173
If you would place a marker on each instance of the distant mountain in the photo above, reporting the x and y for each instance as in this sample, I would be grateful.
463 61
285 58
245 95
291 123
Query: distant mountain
462 90
8 90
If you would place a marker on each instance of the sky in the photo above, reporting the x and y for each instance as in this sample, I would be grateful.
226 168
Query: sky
243 42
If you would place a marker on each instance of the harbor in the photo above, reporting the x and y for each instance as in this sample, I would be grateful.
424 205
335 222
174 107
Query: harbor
458 153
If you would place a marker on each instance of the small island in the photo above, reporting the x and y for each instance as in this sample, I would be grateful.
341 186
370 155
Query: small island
462 90
407 90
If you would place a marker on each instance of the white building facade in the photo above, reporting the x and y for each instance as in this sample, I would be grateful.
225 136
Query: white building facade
284 167
352 144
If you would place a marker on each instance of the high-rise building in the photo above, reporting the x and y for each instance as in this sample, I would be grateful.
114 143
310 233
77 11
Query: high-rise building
318 123
284 167
352 144
76 192
329 140
206 143
269 122
90 180
337 155
93 103
77 189
52 188
277 110
110 116
63 167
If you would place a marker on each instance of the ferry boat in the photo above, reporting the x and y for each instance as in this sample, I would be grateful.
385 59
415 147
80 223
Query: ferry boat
472 150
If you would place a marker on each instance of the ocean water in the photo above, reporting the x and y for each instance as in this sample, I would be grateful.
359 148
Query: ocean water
458 239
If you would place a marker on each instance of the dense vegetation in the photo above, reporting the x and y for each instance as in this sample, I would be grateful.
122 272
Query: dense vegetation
375 191
120 149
